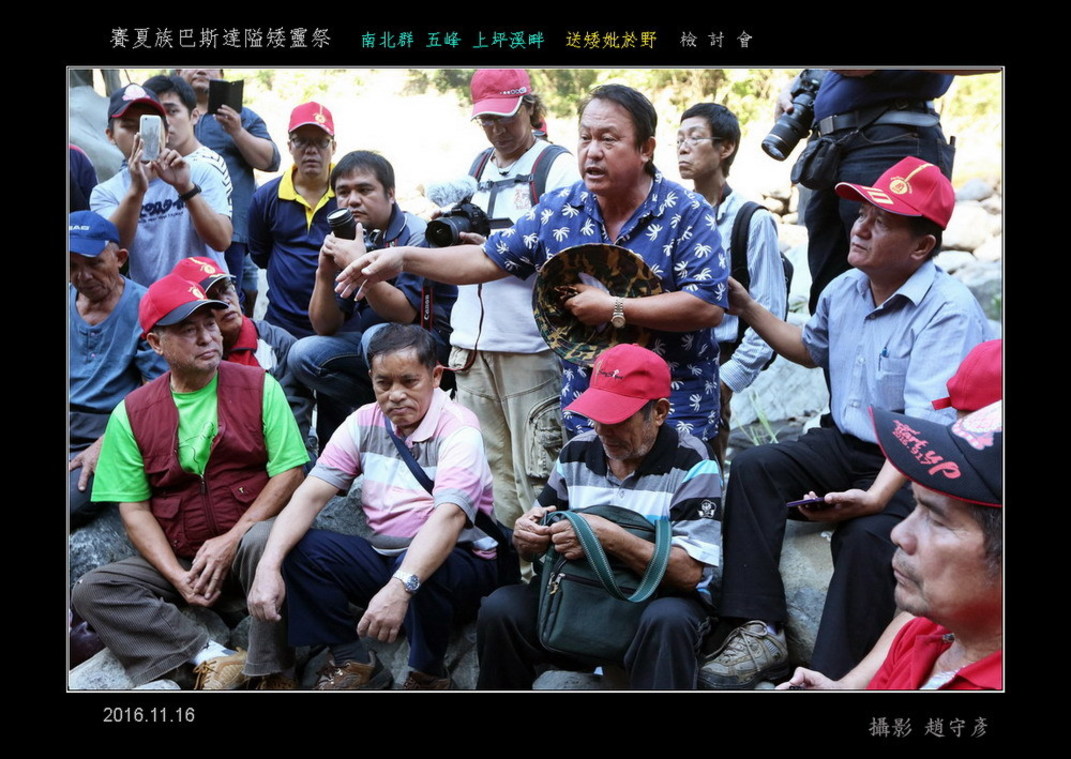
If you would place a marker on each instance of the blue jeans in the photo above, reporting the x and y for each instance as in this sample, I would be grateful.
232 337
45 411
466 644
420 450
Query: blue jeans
829 217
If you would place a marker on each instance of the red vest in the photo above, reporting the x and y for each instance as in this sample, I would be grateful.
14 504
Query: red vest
189 508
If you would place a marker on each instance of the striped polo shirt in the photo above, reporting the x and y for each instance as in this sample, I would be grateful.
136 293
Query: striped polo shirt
447 444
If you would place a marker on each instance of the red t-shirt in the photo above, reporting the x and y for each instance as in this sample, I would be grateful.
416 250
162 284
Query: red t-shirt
913 653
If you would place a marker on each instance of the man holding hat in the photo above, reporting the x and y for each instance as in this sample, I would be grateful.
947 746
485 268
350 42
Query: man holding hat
622 200
108 356
288 219
890 333
199 461
949 556
635 460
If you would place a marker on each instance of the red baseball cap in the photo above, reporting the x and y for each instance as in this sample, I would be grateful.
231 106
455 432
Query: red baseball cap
201 270
171 299
623 379
912 187
498 92
979 379
314 114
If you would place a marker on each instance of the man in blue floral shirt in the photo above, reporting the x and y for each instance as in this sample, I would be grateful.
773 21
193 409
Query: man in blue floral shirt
622 199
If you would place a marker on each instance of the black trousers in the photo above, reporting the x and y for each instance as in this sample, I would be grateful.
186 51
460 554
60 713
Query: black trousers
859 602
664 655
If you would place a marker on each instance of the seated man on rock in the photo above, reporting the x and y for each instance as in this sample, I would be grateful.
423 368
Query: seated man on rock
635 460
199 460
425 563
889 333
107 353
332 362
948 561
252 342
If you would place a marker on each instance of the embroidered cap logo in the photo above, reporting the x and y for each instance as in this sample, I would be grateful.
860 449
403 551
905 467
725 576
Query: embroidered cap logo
902 185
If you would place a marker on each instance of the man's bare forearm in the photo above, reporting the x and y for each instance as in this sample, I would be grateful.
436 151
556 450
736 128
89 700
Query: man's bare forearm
672 312
213 228
148 538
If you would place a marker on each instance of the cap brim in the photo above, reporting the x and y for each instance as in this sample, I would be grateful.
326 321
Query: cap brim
141 101
605 407
211 280
295 127
928 453
497 106
178 314
85 247
875 197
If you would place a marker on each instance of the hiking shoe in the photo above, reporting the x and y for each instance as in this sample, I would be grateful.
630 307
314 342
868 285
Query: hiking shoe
748 656
354 675
221 673
276 681
421 681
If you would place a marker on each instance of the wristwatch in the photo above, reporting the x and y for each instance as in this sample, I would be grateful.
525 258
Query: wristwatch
409 581
184 197
618 318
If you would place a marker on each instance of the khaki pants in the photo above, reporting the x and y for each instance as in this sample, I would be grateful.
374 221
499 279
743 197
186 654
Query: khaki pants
517 399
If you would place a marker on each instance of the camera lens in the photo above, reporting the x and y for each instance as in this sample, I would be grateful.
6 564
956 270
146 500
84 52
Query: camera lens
342 224
444 231
775 147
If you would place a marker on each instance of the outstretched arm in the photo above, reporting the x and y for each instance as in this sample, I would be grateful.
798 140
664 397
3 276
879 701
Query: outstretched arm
456 265
783 337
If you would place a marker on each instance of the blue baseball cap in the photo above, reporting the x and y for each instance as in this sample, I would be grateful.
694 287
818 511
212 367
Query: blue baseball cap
90 233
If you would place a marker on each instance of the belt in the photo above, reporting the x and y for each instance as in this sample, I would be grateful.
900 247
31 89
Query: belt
913 113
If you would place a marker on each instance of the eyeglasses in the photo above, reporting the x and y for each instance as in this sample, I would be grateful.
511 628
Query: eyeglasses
320 143
490 121
693 141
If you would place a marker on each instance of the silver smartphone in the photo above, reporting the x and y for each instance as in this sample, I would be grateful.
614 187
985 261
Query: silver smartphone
152 130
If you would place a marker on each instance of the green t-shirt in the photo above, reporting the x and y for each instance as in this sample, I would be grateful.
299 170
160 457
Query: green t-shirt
120 474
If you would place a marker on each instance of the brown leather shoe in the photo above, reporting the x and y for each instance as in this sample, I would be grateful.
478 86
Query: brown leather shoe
355 676
276 681
421 681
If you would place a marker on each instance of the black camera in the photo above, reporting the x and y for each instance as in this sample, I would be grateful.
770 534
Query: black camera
342 224
793 127
464 217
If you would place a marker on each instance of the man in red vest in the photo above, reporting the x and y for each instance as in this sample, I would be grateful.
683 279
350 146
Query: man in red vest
199 461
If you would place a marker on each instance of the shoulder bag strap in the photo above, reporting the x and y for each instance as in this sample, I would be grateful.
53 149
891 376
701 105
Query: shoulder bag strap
596 556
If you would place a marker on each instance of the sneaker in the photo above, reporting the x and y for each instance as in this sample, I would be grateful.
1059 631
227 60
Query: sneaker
420 681
750 655
355 676
276 681
221 673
